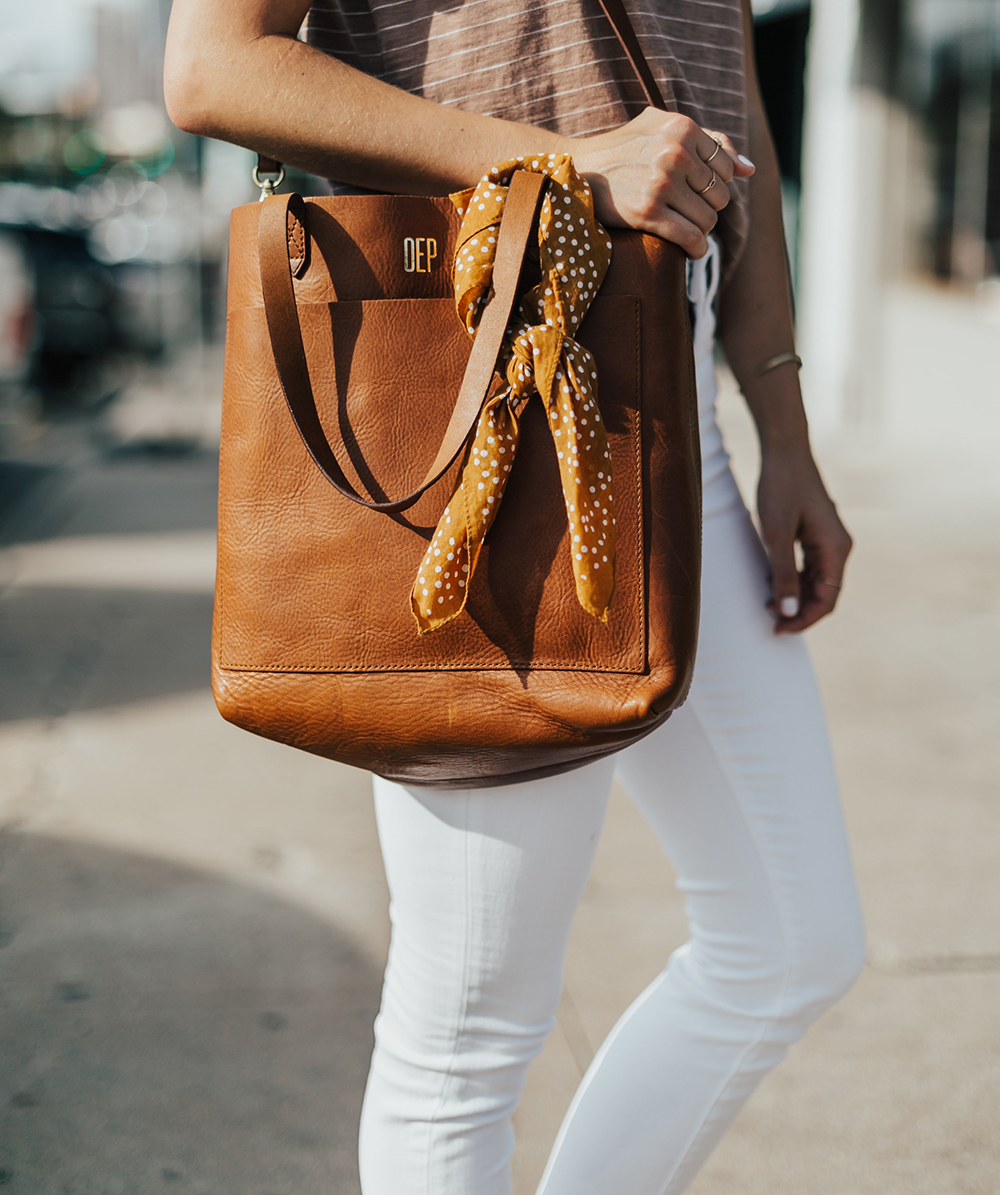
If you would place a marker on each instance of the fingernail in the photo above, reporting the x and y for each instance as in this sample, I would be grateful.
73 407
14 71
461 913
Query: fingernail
789 607
747 162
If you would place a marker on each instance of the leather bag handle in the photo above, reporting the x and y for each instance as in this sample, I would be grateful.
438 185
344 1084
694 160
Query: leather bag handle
276 270
621 23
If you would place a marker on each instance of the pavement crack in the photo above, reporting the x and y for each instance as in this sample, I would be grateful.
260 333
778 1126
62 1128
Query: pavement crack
941 964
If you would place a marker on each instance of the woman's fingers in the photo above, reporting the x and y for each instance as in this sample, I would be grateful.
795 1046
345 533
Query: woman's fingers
821 579
682 210
672 226
786 588
701 209
815 604
705 178
742 167
711 149
794 507
712 189
654 174
823 574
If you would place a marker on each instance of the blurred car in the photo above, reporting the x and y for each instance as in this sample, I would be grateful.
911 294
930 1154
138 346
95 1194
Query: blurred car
17 319
74 304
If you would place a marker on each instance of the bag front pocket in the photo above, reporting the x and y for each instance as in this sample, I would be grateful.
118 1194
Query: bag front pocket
312 582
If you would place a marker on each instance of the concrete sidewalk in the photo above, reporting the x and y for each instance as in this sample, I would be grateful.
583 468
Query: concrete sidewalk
193 921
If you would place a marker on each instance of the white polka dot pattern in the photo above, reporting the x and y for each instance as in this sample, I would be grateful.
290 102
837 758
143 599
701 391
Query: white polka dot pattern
540 356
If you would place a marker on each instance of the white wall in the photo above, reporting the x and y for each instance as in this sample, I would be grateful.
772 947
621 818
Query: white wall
832 274
889 358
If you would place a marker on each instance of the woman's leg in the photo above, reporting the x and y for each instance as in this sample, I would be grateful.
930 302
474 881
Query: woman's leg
739 786
483 887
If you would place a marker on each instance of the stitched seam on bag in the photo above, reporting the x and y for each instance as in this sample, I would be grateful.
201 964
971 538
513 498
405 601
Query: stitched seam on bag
486 666
326 303
640 537
296 240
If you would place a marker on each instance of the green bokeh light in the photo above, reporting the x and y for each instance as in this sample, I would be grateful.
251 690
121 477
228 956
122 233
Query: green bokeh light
157 163
84 151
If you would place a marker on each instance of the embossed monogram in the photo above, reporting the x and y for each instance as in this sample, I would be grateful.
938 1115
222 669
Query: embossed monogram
419 254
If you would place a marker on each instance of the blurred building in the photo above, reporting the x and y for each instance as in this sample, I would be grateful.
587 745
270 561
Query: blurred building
781 39
101 200
899 240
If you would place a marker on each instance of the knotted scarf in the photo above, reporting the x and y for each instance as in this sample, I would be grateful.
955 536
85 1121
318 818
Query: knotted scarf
539 356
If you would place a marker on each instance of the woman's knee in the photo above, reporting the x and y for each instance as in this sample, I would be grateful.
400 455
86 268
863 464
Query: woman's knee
474 1075
825 960
792 970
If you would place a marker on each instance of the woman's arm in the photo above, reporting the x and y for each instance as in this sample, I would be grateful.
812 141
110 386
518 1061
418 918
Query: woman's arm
756 325
235 71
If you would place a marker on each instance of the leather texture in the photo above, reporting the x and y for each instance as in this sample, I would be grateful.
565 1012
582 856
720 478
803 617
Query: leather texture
350 380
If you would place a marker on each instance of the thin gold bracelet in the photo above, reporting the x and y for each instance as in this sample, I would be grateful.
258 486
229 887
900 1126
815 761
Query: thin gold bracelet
789 358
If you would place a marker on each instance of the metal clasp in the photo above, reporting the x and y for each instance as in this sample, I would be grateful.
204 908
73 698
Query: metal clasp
269 183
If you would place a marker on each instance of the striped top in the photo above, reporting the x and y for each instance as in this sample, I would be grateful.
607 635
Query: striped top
555 64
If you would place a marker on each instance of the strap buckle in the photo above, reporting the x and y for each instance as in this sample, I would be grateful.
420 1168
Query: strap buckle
274 176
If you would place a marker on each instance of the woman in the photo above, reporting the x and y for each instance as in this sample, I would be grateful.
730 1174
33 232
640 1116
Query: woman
424 96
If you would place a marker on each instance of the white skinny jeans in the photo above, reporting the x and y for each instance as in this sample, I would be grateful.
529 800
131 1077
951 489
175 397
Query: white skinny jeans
739 787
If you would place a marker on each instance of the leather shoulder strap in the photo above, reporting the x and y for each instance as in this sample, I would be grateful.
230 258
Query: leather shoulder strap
285 332
621 23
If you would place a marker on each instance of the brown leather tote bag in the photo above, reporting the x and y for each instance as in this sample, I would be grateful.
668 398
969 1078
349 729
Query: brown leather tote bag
349 381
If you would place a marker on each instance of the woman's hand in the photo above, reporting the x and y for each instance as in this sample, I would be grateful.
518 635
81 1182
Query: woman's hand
793 506
663 174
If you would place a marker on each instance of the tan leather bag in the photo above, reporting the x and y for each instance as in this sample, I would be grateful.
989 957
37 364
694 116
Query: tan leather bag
349 380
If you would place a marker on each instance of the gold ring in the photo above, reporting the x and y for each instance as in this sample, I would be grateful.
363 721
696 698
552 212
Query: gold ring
710 185
718 146
830 581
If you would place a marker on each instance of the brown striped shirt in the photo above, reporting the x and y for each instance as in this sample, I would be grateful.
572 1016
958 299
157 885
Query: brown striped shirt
552 63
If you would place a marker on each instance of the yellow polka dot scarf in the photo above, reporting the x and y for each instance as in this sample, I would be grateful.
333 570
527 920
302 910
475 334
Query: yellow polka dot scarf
540 356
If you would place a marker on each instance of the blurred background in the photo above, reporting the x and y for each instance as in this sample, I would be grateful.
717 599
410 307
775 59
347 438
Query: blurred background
193 922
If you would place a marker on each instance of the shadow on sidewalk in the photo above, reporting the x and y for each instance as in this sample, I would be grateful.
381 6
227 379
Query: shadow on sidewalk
64 650
69 647
122 495
167 1029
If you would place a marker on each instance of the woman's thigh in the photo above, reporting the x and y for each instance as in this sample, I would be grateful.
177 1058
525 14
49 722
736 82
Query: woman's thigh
483 887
